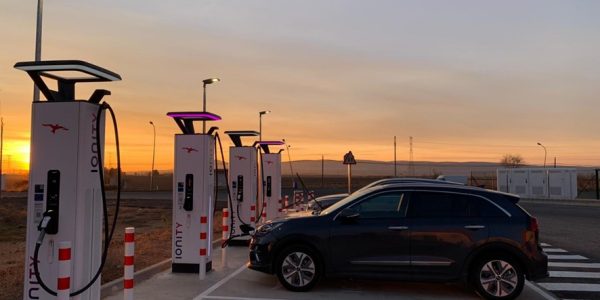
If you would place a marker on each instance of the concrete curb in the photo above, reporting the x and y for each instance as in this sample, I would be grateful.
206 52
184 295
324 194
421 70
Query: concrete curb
111 288
540 290
582 202
115 286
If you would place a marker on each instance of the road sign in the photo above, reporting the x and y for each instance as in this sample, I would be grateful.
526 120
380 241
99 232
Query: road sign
349 158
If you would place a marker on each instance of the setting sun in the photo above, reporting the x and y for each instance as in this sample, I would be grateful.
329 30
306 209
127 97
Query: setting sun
16 156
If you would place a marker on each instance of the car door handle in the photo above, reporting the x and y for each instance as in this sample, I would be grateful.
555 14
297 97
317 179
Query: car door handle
474 227
398 228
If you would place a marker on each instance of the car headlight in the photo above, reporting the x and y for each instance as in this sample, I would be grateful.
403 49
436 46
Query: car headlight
266 228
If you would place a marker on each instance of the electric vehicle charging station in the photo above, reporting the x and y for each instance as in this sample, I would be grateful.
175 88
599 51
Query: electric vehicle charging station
66 195
193 192
270 194
243 177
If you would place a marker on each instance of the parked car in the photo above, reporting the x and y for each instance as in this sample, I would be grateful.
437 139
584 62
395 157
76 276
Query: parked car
408 231
323 202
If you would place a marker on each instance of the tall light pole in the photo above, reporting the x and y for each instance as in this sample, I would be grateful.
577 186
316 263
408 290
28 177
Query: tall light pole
545 152
153 154
260 114
288 146
395 164
38 44
206 82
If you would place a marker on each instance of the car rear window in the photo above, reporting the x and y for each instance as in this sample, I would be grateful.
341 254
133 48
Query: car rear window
440 204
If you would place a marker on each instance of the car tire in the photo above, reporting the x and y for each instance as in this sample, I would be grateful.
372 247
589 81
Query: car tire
498 277
298 268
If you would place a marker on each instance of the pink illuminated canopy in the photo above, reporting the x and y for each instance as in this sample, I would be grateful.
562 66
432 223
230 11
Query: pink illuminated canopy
195 116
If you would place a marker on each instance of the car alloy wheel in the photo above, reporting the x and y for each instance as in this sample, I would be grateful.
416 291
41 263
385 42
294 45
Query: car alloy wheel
298 269
498 278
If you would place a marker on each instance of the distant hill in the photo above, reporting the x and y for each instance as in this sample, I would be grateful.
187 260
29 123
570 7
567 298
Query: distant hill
386 168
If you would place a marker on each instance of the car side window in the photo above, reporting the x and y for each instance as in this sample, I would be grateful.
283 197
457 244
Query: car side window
443 205
488 209
385 205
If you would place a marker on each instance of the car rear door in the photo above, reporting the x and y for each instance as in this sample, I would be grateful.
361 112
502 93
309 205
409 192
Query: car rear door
377 241
444 228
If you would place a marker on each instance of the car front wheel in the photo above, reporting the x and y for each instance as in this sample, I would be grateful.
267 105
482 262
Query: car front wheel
498 278
298 268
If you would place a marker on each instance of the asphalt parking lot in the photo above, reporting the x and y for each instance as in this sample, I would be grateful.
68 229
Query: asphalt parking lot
236 282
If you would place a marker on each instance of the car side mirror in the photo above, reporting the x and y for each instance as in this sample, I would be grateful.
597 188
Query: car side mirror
349 215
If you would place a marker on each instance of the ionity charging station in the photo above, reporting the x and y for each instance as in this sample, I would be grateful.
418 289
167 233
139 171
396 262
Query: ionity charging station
243 179
271 178
65 201
193 193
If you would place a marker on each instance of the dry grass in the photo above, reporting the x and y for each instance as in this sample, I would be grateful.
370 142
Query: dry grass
151 219
153 242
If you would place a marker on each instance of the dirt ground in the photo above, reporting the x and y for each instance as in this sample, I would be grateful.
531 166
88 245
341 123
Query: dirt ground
152 222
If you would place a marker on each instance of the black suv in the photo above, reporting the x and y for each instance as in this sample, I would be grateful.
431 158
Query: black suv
411 231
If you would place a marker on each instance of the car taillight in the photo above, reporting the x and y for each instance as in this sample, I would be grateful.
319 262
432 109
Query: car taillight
534 230
534 225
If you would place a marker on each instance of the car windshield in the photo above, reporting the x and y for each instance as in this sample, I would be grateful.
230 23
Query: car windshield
346 200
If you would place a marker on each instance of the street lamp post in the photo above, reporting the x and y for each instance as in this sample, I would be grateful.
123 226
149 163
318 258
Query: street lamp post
288 146
153 155
260 114
206 82
38 44
545 152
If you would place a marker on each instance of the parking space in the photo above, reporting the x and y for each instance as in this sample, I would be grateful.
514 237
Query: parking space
236 282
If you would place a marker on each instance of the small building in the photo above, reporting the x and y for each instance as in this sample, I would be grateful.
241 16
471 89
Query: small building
538 183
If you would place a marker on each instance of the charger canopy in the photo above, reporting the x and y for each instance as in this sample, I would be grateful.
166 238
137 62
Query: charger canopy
265 145
236 136
67 73
185 119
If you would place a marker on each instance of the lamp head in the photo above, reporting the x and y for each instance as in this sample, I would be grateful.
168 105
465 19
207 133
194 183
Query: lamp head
264 112
210 80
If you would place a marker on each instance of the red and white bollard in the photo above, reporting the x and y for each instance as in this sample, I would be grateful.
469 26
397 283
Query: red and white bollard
264 212
203 247
286 203
128 263
252 215
225 236
298 199
63 288
280 209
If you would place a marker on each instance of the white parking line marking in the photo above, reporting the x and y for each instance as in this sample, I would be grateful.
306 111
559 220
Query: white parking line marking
567 257
570 274
220 283
545 245
571 287
555 250
539 291
574 265
237 298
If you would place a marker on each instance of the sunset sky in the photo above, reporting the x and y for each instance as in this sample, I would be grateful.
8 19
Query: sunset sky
469 80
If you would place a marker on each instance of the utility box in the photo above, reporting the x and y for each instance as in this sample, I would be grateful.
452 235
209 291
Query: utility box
64 177
270 193
193 193
539 183
502 180
518 181
562 183
243 180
